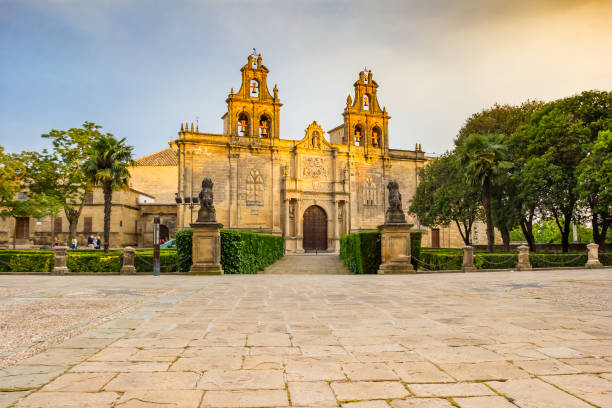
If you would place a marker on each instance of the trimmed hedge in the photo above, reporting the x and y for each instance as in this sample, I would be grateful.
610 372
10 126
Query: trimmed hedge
360 251
85 261
242 252
557 260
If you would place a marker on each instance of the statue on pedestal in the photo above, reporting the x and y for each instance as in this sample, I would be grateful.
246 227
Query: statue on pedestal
207 212
394 214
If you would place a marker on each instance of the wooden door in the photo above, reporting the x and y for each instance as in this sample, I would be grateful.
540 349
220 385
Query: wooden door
315 229
435 238
22 228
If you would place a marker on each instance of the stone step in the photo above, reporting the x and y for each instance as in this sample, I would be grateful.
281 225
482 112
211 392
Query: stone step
308 264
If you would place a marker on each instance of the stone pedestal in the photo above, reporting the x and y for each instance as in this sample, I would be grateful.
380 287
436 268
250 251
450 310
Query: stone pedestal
395 249
60 267
206 249
523 259
128 267
593 260
468 259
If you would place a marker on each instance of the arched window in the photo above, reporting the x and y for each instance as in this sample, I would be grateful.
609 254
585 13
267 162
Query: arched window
370 192
254 88
366 102
264 126
376 136
358 136
254 188
243 124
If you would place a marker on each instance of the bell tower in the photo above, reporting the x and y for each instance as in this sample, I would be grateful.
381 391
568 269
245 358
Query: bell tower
252 111
365 124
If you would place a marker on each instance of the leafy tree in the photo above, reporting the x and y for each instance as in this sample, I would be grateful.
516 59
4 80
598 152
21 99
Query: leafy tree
508 208
16 175
442 197
483 158
595 185
554 142
61 174
108 166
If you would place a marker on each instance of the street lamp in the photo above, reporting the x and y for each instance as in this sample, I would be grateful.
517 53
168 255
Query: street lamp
188 202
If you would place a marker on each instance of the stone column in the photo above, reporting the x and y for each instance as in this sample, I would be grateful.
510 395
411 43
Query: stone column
395 249
287 227
206 249
128 267
523 259
298 227
468 259
60 267
593 260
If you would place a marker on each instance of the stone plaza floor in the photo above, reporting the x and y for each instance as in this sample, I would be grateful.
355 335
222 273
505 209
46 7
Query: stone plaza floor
477 340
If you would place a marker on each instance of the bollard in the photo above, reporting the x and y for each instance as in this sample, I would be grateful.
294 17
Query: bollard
60 267
468 259
128 261
593 256
523 259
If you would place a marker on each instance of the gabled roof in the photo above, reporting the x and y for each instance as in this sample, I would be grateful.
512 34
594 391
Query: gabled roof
165 157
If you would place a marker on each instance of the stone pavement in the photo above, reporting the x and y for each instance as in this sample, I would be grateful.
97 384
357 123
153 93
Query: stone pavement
308 264
496 340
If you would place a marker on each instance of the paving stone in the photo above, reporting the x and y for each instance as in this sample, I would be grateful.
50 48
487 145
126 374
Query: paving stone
366 404
483 402
464 354
313 370
241 379
311 394
148 343
263 362
420 372
367 390
9 398
119 366
589 364
79 382
368 372
114 354
68 399
387 356
421 403
278 351
560 352
149 399
543 367
581 384
269 340
153 381
449 390
490 370
23 377
215 351
59 356
246 398
204 363
534 393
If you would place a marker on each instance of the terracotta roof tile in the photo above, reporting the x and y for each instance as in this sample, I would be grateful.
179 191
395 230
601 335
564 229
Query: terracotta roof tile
166 157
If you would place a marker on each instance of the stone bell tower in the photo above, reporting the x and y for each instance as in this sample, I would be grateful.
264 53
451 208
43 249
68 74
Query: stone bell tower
252 111
365 124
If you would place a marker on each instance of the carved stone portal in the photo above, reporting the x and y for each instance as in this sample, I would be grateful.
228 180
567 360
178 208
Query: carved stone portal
314 167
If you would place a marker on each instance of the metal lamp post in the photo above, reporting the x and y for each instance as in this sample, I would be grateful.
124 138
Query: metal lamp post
156 246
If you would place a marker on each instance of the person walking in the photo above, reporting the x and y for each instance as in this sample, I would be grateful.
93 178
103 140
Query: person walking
98 242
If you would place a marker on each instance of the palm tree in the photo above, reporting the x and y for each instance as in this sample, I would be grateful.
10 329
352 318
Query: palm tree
483 158
108 167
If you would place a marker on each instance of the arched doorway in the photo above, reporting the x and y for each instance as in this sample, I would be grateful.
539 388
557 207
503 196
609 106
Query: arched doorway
315 229
164 233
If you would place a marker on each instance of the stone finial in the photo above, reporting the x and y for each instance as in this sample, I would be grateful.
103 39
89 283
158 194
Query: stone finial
394 214
181 126
128 261
275 91
192 127
523 258
207 211
349 100
468 259
60 267
593 256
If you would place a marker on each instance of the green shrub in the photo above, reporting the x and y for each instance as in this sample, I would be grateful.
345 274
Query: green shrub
496 260
605 258
360 252
93 262
242 252
557 260
415 246
183 248
26 261
440 259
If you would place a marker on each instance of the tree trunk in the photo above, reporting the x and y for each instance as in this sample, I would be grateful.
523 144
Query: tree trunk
595 222
565 233
465 236
526 227
108 197
505 234
486 198
73 220
15 234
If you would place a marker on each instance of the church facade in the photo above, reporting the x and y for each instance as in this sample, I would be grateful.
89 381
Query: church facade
313 190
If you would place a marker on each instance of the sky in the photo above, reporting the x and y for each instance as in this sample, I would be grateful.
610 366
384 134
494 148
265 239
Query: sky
141 67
